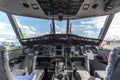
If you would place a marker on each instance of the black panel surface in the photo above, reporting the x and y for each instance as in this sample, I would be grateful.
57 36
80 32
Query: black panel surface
61 39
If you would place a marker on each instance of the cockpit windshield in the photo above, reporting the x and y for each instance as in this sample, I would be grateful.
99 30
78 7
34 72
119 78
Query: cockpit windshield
60 27
33 27
86 27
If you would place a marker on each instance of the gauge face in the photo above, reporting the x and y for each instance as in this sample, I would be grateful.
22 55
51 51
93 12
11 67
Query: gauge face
72 49
75 50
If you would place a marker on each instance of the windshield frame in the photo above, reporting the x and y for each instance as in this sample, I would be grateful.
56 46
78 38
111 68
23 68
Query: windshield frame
102 32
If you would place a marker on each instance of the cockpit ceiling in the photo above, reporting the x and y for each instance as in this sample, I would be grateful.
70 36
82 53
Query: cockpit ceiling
60 9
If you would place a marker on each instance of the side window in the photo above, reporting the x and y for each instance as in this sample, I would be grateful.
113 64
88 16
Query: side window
112 38
7 35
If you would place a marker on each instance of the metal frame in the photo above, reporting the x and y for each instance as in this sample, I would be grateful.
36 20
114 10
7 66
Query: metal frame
106 26
53 24
68 26
15 26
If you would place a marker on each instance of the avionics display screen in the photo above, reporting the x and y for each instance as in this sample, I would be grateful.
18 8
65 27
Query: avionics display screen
59 47
58 53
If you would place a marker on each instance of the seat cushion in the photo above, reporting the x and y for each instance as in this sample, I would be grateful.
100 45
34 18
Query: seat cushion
20 73
27 77
84 75
39 74
100 74
94 78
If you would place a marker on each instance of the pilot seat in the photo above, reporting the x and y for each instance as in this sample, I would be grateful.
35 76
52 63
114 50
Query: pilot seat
16 74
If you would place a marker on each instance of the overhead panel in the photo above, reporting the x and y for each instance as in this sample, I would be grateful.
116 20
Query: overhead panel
64 7
60 9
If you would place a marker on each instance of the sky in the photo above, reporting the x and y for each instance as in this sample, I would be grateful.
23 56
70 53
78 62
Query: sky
32 27
6 30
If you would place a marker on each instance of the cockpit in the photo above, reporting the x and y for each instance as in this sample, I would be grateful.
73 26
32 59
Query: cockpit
59 50
60 39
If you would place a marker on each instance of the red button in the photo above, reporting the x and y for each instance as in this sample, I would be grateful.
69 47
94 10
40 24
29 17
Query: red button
107 57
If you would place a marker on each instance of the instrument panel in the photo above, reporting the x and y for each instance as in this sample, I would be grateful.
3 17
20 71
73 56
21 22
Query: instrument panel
59 50
50 50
